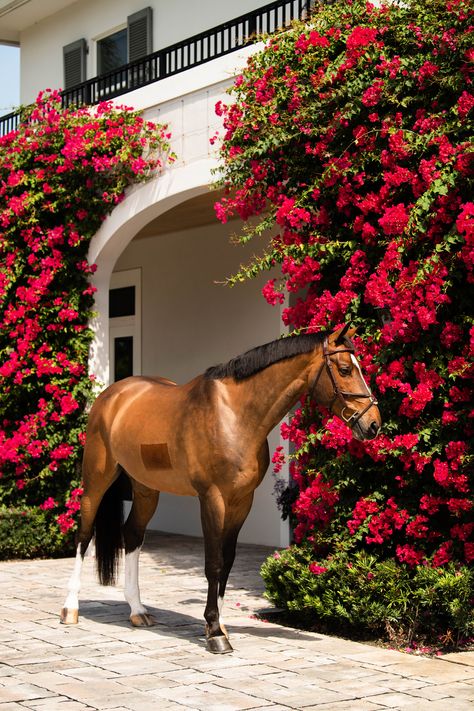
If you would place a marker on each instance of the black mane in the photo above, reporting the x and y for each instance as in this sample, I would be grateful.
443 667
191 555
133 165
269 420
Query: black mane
257 359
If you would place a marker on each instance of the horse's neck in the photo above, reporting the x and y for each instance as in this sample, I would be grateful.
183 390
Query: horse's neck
266 397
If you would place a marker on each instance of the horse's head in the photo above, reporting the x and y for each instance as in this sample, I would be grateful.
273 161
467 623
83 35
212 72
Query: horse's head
338 383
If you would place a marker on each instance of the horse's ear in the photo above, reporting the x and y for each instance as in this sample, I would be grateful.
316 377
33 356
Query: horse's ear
346 331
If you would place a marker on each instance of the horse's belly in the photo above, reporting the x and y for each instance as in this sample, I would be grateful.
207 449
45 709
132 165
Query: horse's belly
169 481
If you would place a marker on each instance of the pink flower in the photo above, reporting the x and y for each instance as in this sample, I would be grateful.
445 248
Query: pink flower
314 39
278 459
272 296
49 503
317 569
63 451
65 522
68 404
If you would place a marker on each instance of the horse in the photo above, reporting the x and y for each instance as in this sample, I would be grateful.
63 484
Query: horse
207 438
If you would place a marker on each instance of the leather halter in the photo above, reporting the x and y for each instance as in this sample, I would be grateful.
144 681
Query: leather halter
342 395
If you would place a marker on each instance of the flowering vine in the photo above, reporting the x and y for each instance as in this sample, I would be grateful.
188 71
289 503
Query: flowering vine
61 172
349 138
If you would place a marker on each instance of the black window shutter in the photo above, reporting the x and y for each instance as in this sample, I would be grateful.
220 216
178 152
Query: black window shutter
140 34
74 63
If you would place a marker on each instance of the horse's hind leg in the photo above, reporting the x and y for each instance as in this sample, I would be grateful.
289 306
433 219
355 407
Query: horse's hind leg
89 506
95 486
144 504
70 610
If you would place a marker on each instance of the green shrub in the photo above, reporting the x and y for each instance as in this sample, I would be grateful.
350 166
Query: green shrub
359 593
32 533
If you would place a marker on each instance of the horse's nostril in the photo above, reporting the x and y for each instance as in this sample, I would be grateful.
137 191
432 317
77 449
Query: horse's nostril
374 428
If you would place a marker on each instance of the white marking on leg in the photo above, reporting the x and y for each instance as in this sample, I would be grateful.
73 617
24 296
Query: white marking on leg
220 604
131 588
74 585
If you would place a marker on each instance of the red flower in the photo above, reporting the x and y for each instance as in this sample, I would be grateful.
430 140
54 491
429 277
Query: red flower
394 220
465 103
361 37
469 552
409 555
443 554
371 96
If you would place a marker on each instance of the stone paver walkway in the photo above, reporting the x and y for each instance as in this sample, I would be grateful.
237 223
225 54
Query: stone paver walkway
104 663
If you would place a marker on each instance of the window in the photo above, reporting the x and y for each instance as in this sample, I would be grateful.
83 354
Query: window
112 52
132 41
122 302
123 357
125 324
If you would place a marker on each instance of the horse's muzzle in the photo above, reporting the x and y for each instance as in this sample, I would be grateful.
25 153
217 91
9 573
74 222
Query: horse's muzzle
362 431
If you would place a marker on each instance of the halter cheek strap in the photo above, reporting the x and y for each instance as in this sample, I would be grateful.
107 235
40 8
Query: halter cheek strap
339 394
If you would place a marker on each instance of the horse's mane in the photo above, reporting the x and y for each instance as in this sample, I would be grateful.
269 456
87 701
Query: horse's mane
257 359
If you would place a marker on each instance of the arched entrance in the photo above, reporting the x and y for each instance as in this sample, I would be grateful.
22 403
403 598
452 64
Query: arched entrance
187 320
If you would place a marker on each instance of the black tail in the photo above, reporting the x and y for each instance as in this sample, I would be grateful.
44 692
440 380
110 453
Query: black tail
108 533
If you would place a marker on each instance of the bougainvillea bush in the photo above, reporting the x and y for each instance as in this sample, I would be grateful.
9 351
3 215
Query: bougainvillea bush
61 173
350 137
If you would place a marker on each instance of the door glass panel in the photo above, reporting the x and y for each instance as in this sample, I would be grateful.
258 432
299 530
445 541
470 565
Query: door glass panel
112 52
122 302
123 357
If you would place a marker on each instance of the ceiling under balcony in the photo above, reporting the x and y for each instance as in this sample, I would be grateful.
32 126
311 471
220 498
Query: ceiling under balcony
17 15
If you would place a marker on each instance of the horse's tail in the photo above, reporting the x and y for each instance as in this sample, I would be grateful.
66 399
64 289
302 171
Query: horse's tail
108 533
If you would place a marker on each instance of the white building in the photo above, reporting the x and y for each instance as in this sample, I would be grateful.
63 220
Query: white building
162 250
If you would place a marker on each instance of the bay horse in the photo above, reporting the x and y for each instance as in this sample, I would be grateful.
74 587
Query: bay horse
208 439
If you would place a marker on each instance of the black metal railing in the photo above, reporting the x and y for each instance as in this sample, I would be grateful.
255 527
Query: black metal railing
179 57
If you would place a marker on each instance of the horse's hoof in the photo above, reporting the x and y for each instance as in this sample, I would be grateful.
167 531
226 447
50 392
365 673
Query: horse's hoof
144 619
218 645
69 616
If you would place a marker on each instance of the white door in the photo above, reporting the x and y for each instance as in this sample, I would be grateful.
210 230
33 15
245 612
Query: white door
125 324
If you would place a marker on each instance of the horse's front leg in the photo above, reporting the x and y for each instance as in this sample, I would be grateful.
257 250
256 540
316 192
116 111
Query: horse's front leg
213 518
236 513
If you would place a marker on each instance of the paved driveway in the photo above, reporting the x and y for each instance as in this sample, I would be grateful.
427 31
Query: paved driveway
104 663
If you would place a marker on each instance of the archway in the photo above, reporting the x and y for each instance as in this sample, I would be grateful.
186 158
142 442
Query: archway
188 322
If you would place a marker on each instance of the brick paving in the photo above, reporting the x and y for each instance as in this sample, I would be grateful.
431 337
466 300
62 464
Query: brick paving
104 663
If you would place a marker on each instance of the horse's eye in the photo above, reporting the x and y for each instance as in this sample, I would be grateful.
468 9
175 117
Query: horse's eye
345 370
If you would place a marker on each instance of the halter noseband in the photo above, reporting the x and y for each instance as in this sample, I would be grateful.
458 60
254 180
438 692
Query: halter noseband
343 395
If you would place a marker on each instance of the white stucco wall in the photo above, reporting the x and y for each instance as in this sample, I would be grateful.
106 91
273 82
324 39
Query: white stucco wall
42 43
190 323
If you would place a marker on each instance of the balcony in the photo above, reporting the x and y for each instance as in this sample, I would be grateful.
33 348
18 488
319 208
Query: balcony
180 57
